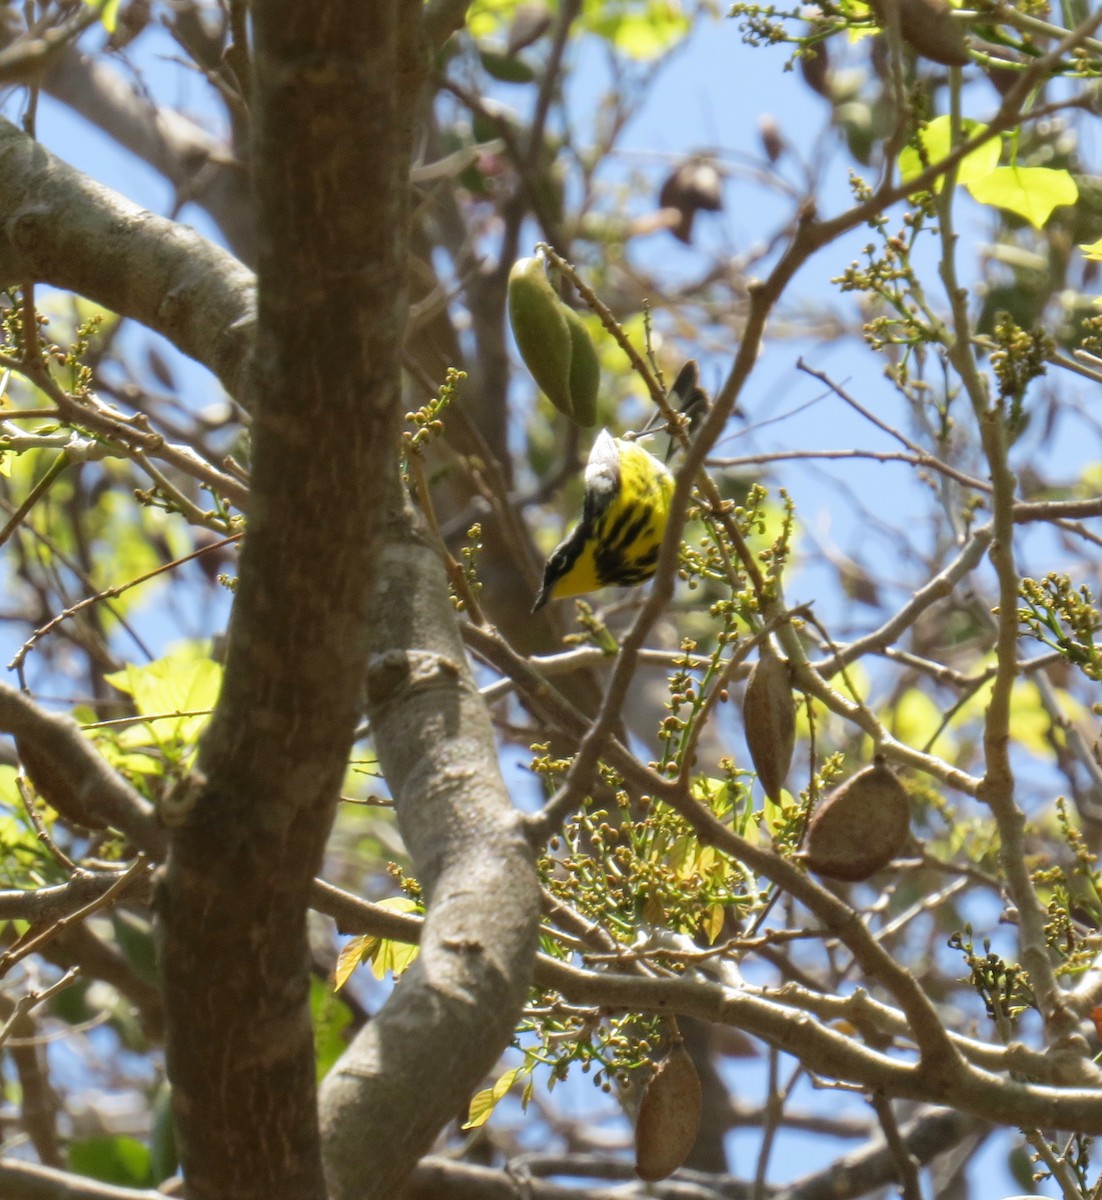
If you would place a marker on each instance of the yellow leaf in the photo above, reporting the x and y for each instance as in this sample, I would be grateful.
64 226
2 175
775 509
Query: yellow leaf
712 924
936 141
1030 192
384 954
484 1102
916 718
391 955
353 952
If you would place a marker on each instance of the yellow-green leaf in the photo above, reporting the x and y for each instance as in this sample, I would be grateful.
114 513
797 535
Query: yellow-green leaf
384 954
1030 192
178 682
108 13
353 952
936 139
1030 724
488 18
915 719
483 1103
712 924
1092 249
392 956
642 31
181 682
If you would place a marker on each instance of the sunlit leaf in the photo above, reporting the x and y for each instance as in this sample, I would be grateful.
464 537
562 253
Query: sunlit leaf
352 953
108 13
915 718
712 923
179 683
1030 192
488 18
936 140
483 1103
639 30
392 956
383 954
1030 724
1092 249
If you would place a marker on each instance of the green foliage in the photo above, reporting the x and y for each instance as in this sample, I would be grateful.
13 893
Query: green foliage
174 697
117 1159
1003 987
1064 618
331 1020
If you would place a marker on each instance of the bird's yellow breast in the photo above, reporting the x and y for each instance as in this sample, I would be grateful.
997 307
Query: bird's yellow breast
628 505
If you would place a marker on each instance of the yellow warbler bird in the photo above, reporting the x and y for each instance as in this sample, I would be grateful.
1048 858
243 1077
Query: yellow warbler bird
624 515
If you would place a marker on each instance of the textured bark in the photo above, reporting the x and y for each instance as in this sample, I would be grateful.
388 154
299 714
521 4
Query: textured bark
415 1066
189 157
59 227
330 154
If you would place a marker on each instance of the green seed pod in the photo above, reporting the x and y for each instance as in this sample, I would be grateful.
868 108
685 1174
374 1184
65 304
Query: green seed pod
585 371
542 332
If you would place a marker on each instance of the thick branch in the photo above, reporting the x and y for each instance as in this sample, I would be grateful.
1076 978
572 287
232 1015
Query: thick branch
29 1181
193 161
327 101
59 227
71 776
416 1065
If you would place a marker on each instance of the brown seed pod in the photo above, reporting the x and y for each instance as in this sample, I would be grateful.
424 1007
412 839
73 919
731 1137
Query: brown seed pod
928 27
772 140
669 1117
814 65
861 826
769 716
695 185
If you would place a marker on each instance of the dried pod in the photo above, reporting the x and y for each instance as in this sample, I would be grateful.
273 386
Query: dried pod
530 22
814 64
694 186
769 716
585 371
669 1117
538 320
861 826
772 140
928 27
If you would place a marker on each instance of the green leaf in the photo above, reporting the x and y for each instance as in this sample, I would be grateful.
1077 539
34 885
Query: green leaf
1030 192
331 1018
488 18
120 1160
1092 249
163 1157
484 1102
640 30
936 139
383 953
915 718
506 68
181 682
